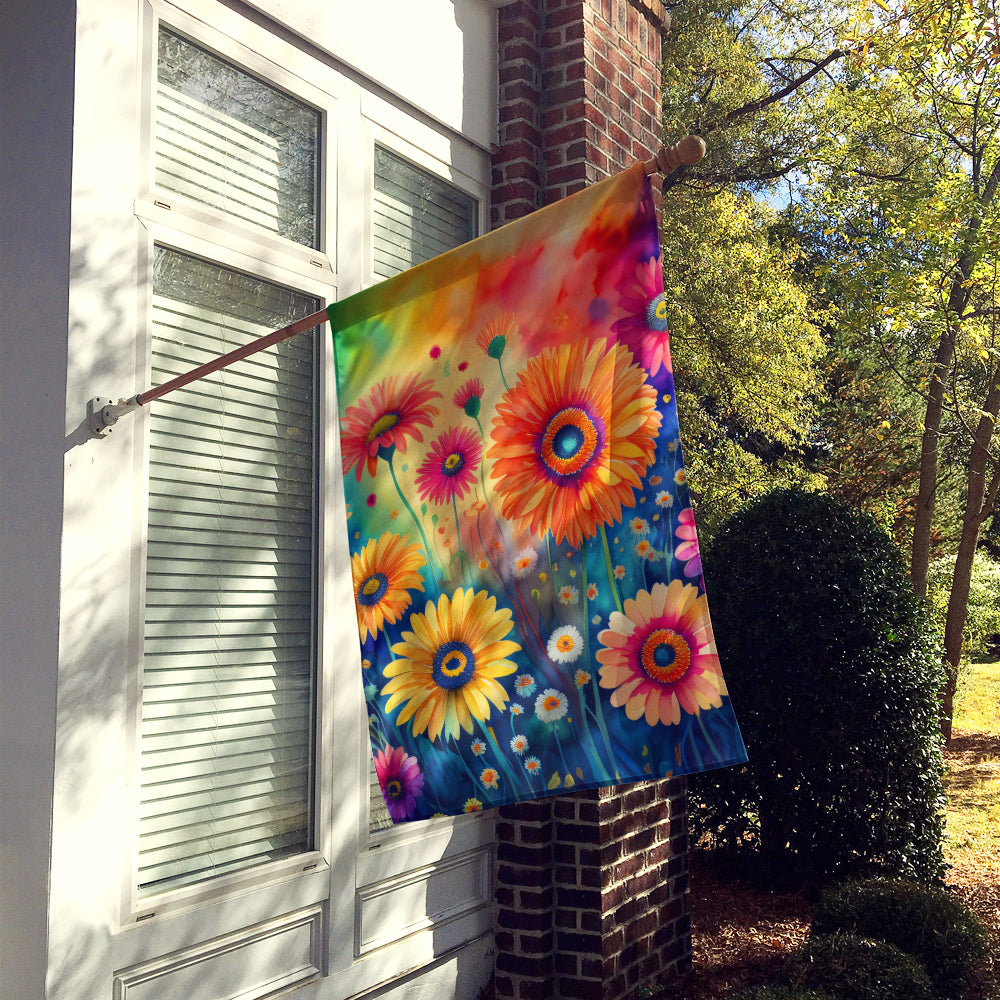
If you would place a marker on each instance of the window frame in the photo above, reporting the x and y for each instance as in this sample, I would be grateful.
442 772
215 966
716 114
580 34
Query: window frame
177 223
349 865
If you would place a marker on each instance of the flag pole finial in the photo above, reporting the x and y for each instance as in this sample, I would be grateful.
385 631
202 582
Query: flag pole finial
668 158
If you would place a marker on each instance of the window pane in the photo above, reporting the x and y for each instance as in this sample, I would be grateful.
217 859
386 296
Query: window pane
417 215
228 658
226 139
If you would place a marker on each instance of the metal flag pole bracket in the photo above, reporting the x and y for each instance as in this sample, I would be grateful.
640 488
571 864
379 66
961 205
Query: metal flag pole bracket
103 413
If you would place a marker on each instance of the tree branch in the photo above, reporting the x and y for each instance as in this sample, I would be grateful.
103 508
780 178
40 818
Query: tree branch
754 106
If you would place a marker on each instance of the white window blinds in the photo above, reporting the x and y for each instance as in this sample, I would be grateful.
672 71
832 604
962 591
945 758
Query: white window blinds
228 675
416 216
230 141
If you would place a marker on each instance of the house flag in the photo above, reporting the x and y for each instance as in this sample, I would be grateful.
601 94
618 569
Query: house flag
528 587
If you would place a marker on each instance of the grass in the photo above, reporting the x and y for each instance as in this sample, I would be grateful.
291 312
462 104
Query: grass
972 848
973 783
978 698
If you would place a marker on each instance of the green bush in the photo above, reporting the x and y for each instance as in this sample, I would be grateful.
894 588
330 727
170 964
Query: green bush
856 968
833 674
925 922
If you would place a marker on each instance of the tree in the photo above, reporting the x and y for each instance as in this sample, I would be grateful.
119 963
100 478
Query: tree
747 351
913 184
747 356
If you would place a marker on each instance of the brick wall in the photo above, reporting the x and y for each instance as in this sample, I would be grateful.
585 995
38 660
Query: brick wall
591 889
579 96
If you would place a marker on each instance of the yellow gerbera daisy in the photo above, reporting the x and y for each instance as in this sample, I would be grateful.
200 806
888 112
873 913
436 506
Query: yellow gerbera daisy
447 667
384 572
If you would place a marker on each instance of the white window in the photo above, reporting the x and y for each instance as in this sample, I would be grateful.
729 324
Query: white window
415 216
229 650
275 182
228 662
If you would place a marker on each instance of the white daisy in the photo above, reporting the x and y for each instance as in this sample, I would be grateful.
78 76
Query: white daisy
565 644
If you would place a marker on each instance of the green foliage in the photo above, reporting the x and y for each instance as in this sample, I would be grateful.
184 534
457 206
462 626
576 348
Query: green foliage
747 357
856 968
833 674
983 610
926 922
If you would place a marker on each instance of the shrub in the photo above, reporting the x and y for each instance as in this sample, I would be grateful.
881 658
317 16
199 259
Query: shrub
856 968
833 674
926 922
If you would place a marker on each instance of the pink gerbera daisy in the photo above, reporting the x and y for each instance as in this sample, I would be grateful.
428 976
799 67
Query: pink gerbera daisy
392 412
642 312
659 655
688 551
469 396
400 779
449 470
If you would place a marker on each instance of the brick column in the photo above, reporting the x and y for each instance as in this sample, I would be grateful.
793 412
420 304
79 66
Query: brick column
591 889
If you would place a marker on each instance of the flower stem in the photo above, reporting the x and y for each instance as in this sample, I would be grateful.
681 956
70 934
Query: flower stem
431 559
603 773
611 568
708 739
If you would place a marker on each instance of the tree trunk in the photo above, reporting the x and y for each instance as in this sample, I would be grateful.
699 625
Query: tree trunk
920 553
979 500
958 299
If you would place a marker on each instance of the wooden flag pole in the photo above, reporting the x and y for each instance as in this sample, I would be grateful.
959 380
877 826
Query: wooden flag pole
688 151
103 413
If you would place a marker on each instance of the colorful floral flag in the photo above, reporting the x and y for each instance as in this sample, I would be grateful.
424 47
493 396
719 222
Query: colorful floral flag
529 593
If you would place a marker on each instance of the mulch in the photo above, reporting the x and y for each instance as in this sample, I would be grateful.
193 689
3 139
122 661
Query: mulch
743 934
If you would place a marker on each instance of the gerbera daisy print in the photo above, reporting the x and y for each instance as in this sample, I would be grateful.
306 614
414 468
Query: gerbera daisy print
659 655
565 645
688 551
525 684
643 309
393 413
449 470
386 572
469 396
572 440
526 577
448 668
551 705
401 781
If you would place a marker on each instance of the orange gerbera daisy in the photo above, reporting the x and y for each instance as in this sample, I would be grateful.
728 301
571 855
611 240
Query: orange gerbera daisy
447 667
659 656
385 571
573 439
391 413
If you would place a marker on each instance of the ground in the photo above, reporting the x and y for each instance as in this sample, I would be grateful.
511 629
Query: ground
741 935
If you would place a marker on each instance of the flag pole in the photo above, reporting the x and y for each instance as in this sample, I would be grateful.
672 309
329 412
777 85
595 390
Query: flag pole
687 152
103 413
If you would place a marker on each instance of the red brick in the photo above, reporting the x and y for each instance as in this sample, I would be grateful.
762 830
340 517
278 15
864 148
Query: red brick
573 988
